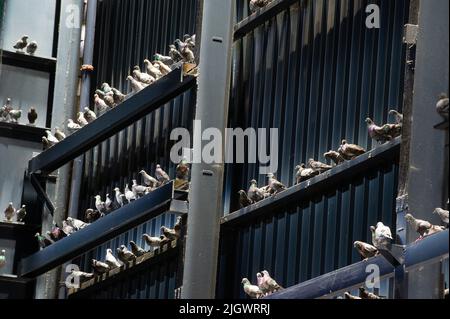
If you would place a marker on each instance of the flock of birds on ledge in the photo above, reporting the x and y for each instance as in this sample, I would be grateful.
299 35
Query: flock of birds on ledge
181 53
103 208
126 256
11 212
346 152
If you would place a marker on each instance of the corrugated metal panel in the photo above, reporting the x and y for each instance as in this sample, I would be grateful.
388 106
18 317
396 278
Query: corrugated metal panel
127 32
315 72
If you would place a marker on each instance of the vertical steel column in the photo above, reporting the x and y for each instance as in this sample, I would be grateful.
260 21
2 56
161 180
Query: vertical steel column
64 98
428 160
205 202
88 58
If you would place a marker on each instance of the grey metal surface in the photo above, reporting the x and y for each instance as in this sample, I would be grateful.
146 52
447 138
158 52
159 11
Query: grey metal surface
428 183
205 198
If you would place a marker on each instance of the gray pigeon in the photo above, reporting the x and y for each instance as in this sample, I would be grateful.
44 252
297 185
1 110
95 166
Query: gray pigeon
32 47
381 236
303 174
21 213
15 115
151 70
148 180
32 116
111 260
255 5
270 283
89 115
251 290
350 151
261 284
136 250
9 212
125 255
118 96
443 214
174 54
182 170
170 233
72 126
162 67
92 215
274 185
76 223
67 228
51 138
136 86
81 120
379 134
318 166
106 88
255 193
21 44
152 241
161 176
244 200
138 190
118 197
108 203
334 156
442 106
143 77
423 227
109 100
365 250
397 116
100 267
60 136
100 105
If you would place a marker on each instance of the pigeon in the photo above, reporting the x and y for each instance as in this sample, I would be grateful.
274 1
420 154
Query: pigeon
109 100
143 77
118 197
106 88
163 58
118 96
21 44
254 193
136 250
442 106
261 284
397 116
161 176
148 180
303 173
92 215
57 233
15 115
32 116
111 260
125 255
174 54
99 204
189 41
255 5
32 47
443 214
244 200
82 275
100 105
81 119
9 212
108 204
76 223
138 190
420 226
365 250
251 290
185 52
381 236
46 143
274 185
60 136
129 195
364 294
379 134
182 170
2 258
350 296
151 70
152 241
334 156
171 234
136 86
89 115
67 228
72 126
21 213
270 283
350 151
100 267
162 67
43 241
318 166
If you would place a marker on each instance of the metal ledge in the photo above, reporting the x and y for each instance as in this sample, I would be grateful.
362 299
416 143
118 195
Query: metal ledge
29 61
427 250
98 232
112 122
373 158
22 132
260 17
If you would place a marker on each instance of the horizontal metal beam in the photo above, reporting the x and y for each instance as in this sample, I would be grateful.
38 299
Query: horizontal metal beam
98 232
29 61
427 250
112 122
384 153
335 281
22 132
262 16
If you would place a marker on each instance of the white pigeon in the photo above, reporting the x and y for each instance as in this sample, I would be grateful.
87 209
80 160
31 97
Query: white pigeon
89 115
100 105
162 67
148 180
82 275
381 236
151 70
251 290
72 126
99 204
138 190
142 77
129 195
76 223
152 241
136 86
51 138
269 283
161 176
81 120
99 267
111 260
118 196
